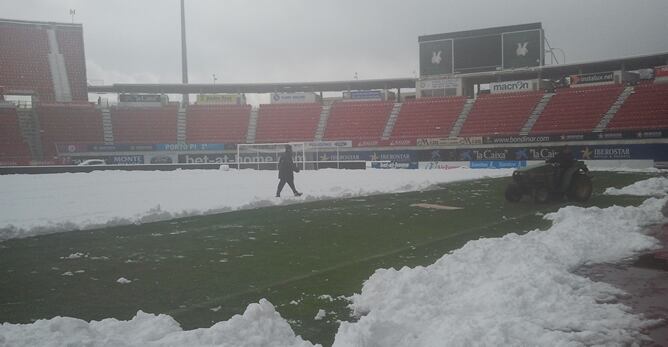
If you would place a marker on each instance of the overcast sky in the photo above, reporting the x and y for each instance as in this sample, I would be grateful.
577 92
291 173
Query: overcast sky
299 40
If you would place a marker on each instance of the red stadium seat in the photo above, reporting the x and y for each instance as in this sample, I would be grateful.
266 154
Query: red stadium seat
427 117
146 125
217 123
576 110
287 122
500 114
357 120
68 123
645 109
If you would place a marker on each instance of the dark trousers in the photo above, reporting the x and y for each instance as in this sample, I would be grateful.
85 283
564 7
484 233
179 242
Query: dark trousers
290 181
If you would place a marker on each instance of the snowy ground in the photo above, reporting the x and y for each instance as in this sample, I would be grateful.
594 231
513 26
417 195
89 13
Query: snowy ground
515 290
42 204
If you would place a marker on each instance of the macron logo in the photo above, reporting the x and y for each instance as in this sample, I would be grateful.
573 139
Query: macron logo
436 57
522 50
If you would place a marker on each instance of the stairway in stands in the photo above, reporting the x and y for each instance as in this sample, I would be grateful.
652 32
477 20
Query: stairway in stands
61 83
537 111
391 121
28 122
459 123
181 126
252 125
322 123
107 127
608 116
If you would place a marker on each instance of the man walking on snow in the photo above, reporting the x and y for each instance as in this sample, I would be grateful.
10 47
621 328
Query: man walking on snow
286 167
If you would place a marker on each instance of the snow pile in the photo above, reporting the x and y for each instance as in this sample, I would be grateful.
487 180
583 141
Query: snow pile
655 186
41 204
514 290
260 325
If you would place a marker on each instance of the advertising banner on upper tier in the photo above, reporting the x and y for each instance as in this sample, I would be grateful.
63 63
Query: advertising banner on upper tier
169 147
661 71
591 78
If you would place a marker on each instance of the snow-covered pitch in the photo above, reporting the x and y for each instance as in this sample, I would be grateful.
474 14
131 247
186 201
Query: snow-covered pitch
515 290
42 204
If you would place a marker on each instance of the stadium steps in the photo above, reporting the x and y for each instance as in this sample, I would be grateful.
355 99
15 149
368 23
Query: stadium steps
61 83
107 127
181 126
389 126
322 123
608 116
252 125
459 123
537 111
28 123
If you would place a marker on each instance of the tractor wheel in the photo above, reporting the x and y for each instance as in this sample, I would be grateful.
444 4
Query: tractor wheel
513 193
581 188
541 195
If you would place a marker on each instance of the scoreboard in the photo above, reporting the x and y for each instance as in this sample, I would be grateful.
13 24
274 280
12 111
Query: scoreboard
489 49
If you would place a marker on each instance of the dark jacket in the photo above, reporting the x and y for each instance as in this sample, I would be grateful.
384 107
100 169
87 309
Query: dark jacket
286 166
564 158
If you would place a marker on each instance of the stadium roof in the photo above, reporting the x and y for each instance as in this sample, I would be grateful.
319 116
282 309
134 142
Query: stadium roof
550 71
30 22
292 87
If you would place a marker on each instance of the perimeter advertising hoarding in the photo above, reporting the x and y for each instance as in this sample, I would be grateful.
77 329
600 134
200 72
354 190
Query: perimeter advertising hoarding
489 49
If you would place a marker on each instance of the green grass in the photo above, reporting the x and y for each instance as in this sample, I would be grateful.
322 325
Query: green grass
286 254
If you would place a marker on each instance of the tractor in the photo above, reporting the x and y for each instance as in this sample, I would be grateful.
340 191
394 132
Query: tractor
551 181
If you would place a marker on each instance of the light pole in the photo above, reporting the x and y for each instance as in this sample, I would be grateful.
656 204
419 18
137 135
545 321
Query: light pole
214 79
72 13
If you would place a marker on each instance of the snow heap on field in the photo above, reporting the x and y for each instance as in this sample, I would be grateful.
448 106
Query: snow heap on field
260 325
516 290
41 204
655 186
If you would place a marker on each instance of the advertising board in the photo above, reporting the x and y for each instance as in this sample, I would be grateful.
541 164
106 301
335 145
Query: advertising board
363 95
292 98
219 99
512 86
593 78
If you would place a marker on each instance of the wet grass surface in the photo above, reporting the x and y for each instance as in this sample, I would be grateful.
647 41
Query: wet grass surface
302 258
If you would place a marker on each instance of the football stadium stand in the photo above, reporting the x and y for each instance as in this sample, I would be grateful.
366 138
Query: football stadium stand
500 114
427 117
144 125
68 123
357 120
51 67
576 110
217 123
287 122
646 108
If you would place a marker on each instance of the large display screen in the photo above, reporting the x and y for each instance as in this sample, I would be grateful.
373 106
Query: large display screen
509 47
